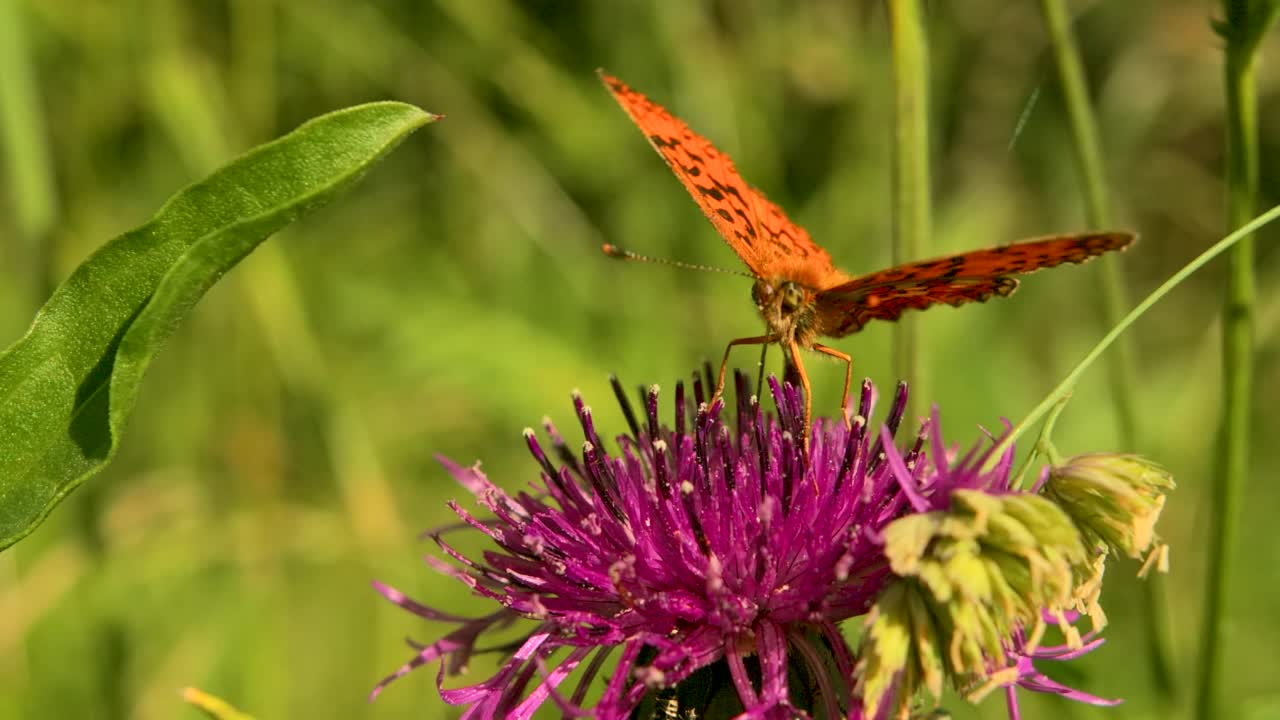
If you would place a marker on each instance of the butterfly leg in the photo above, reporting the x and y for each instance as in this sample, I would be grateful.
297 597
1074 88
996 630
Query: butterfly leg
724 363
794 350
848 377
764 350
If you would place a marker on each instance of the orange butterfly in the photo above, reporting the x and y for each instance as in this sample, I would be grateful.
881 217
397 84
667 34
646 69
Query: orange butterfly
800 294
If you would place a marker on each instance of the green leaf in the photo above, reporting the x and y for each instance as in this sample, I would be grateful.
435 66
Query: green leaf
67 387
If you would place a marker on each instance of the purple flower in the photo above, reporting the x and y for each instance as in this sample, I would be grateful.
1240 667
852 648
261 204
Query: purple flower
1022 672
715 545
718 557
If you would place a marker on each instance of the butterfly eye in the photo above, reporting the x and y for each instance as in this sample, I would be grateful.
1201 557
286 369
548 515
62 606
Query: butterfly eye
761 291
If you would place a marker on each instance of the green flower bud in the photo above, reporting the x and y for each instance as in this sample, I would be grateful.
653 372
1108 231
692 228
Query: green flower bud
1115 500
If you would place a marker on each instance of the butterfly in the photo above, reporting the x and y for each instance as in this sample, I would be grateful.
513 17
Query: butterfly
799 293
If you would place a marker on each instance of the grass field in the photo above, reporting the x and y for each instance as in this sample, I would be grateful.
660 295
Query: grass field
281 455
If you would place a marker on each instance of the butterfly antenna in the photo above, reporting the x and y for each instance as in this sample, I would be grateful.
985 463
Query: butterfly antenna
614 251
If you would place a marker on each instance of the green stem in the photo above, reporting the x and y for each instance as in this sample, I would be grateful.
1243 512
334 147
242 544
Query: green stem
1042 444
1088 151
1246 22
911 189
1068 383
1084 128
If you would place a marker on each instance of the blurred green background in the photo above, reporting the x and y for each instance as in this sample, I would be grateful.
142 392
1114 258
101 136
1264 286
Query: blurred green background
281 453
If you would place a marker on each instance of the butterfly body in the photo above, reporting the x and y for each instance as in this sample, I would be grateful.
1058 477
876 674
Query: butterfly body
789 311
800 294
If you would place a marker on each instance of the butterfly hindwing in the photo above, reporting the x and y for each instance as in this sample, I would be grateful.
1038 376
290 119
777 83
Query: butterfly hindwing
969 277
846 308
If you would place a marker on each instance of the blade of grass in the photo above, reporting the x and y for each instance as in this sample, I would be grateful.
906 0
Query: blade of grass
1068 383
1246 21
212 705
1088 152
28 166
252 77
911 190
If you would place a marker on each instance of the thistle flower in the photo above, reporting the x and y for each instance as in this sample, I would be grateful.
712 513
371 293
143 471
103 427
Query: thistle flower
717 547
718 557
981 567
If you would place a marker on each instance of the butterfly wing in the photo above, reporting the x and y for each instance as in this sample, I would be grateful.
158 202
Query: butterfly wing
757 230
955 280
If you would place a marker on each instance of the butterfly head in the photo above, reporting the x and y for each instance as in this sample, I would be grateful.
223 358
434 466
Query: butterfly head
788 309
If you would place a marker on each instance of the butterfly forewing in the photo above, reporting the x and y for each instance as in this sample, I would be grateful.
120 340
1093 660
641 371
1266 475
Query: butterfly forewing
757 230
970 277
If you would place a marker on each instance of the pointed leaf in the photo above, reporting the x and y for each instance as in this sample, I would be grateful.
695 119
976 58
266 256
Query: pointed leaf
67 387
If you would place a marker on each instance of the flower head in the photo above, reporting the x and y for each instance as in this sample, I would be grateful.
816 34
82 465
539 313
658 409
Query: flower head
981 566
719 541
718 556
